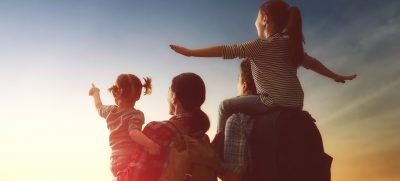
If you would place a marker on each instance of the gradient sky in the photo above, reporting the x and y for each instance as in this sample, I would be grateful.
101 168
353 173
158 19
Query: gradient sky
52 50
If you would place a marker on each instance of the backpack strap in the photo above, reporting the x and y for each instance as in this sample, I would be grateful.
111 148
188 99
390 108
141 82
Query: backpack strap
180 128
183 132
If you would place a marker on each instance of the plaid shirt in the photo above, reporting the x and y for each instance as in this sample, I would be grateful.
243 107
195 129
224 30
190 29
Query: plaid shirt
237 131
146 167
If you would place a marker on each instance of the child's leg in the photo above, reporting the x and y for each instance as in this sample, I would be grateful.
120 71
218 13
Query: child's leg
249 104
119 163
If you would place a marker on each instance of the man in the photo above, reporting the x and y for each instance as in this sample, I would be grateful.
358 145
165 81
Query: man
282 144
237 130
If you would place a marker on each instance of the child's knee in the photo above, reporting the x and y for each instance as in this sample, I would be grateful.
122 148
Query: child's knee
224 106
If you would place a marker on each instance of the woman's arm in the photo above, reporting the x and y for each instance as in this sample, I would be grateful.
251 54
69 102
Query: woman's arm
143 140
95 92
320 68
213 51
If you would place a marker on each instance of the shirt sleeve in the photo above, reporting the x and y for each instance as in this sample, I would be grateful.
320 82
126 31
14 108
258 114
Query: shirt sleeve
308 61
161 133
105 110
248 49
136 121
236 147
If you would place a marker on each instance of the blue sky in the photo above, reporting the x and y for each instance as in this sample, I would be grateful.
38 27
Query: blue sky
52 50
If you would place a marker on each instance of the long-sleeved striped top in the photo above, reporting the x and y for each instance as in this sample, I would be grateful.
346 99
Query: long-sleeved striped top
274 75
120 124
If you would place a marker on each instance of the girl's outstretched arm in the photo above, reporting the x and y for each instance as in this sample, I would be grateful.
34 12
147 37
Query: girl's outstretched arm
95 92
320 68
213 51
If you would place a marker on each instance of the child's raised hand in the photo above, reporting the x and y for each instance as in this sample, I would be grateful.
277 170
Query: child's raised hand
343 79
94 90
180 50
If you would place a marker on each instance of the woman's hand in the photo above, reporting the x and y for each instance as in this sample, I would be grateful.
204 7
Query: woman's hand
94 91
181 50
343 79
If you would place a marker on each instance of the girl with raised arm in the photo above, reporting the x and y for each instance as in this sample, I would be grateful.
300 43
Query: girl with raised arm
123 120
275 56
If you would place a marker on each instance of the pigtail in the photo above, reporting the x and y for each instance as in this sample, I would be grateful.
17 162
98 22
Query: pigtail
296 39
147 86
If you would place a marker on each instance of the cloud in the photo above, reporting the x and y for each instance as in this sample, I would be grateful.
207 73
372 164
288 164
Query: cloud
367 46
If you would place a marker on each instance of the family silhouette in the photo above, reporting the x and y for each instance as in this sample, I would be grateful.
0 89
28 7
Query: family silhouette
263 133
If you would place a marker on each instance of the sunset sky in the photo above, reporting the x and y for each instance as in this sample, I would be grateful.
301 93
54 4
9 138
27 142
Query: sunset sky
52 50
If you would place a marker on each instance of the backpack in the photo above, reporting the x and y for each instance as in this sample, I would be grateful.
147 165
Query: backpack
192 158
286 145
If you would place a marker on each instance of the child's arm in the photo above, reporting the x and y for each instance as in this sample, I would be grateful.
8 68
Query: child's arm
143 140
95 92
248 49
320 68
213 51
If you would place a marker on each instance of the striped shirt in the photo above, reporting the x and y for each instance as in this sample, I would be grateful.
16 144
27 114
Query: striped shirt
120 124
274 75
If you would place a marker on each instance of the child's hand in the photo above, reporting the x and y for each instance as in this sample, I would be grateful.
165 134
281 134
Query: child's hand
181 50
94 90
153 148
343 79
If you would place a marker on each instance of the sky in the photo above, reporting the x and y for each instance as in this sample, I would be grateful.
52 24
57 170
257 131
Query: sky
52 50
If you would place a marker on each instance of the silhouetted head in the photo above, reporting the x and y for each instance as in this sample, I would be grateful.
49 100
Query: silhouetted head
128 88
276 16
245 84
189 91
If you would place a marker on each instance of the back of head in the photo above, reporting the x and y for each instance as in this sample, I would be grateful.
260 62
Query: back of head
245 69
284 16
130 87
190 90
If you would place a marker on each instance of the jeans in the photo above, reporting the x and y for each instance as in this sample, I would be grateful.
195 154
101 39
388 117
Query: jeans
248 104
118 163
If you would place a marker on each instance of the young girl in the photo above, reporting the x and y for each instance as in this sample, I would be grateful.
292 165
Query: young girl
123 120
275 57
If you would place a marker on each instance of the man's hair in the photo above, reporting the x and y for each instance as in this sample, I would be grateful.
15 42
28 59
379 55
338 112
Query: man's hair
247 77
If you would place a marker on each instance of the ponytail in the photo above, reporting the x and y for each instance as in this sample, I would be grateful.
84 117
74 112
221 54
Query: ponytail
147 86
296 39
128 87
190 90
200 123
284 16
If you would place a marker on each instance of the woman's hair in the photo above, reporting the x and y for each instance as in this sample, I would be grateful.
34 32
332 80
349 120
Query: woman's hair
190 90
245 69
283 16
129 87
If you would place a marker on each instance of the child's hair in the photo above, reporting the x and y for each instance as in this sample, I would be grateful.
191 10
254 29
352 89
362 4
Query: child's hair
129 87
247 76
283 16
190 90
